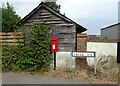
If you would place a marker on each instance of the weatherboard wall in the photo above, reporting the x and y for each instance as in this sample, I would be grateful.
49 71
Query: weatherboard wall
66 36
44 16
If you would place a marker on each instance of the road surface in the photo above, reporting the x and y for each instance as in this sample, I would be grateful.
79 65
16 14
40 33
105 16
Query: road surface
20 78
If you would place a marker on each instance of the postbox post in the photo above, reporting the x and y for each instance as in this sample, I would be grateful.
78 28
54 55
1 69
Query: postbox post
54 49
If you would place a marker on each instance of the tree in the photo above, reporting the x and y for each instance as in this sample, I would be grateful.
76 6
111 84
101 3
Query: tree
54 6
9 18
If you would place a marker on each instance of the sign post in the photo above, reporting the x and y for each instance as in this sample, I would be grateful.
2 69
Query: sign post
70 62
95 64
85 55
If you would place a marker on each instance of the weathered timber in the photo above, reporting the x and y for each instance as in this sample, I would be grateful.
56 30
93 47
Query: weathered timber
67 39
11 38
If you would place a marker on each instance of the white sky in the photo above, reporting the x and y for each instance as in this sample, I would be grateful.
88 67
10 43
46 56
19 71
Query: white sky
92 14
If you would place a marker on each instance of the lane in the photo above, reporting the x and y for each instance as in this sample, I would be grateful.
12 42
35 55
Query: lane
18 78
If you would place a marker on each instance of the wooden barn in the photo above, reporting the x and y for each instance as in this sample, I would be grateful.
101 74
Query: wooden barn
63 28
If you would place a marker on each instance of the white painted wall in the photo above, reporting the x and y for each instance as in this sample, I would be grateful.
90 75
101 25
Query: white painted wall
101 49
64 60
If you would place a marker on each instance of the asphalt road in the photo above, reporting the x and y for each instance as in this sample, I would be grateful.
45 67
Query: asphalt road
19 78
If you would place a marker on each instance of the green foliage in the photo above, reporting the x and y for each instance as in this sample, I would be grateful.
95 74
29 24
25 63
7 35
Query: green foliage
35 55
54 6
9 18
9 54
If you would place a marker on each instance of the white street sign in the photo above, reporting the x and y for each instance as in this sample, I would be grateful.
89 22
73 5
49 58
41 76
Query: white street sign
83 54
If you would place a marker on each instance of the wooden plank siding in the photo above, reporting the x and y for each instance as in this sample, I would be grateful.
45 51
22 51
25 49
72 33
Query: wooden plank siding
45 17
11 38
66 36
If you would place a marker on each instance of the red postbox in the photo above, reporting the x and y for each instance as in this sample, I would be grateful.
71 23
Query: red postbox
54 44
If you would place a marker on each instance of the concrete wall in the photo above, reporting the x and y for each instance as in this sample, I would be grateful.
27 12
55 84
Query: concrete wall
64 60
110 32
102 50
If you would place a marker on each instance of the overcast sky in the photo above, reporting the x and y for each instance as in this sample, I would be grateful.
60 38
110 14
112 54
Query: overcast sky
92 14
